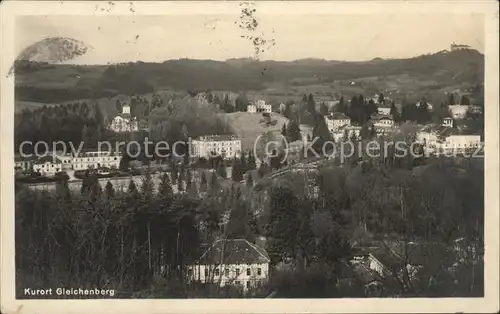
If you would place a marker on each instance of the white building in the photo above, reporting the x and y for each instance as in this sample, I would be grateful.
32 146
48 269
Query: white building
459 143
227 146
234 262
259 106
23 164
48 165
443 139
124 122
337 120
95 160
448 122
346 131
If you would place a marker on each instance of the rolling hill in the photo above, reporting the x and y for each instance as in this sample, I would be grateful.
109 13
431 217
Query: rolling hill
52 83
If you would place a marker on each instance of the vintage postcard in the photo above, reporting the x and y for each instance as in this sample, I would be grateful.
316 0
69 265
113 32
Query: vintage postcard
249 157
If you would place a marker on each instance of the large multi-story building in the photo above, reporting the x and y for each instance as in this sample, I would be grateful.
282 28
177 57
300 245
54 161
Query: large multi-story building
226 146
232 262
96 159
336 120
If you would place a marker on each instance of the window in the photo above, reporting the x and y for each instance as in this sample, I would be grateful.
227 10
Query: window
206 272
226 272
237 271
259 271
190 272
248 284
248 271
237 282
216 272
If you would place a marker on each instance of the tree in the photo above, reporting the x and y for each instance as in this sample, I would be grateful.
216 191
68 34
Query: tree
147 188
283 224
381 99
323 109
283 130
464 100
321 134
451 99
251 165
249 179
238 226
293 131
311 104
370 108
165 187
214 184
109 190
203 181
341 106
394 112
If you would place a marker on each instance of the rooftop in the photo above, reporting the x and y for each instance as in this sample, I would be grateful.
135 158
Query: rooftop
219 137
337 116
49 158
234 251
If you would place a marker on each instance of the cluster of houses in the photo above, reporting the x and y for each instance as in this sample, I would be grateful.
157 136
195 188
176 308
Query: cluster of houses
437 139
53 163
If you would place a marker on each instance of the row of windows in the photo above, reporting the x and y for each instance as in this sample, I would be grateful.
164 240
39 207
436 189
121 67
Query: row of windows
226 272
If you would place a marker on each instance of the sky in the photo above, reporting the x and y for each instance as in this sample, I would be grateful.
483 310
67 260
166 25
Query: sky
344 37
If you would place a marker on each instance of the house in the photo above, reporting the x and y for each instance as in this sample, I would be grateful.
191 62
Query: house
124 122
459 143
259 106
448 122
23 164
384 109
235 262
335 120
227 146
346 131
95 160
47 165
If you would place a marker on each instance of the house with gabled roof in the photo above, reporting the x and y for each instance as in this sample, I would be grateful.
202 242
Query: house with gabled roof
232 262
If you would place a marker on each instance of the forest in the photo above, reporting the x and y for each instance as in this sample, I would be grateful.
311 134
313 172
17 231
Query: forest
141 241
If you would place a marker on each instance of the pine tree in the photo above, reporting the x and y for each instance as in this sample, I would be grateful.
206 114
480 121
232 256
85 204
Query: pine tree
147 188
293 131
311 104
323 135
323 109
394 112
203 181
251 165
239 219
283 130
165 187
109 190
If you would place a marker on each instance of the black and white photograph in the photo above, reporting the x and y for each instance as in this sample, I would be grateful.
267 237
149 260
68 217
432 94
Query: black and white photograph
298 152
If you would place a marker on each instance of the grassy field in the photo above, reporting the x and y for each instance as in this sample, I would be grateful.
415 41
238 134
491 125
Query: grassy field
248 127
